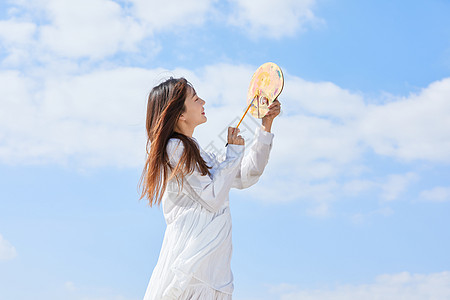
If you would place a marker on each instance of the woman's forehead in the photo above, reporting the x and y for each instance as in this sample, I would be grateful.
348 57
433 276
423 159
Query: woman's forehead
191 90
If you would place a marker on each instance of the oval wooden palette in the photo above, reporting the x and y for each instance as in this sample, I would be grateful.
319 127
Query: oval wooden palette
266 84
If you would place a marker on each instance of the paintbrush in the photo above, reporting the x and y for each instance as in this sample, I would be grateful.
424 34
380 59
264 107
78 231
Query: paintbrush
248 107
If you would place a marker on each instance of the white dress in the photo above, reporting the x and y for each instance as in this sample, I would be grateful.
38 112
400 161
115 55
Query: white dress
194 262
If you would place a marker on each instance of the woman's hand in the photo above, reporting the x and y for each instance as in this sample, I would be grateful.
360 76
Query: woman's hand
274 110
233 137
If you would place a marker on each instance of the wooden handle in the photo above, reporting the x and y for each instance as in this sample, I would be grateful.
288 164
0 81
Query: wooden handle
248 107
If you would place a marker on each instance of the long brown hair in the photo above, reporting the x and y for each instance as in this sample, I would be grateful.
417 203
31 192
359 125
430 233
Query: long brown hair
164 107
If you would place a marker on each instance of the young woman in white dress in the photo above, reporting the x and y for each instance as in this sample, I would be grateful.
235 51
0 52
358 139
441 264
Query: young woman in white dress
193 187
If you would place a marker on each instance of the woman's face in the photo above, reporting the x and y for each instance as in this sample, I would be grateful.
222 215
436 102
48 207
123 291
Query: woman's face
194 113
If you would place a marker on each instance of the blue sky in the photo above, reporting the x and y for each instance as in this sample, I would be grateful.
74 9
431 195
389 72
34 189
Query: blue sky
354 203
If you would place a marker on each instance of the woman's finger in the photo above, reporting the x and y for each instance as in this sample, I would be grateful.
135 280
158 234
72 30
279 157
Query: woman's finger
233 131
274 104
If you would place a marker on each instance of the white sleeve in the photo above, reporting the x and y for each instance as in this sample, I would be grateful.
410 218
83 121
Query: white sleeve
254 162
210 192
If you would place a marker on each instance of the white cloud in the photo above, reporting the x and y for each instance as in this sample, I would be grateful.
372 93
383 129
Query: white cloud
335 128
404 285
16 38
396 184
159 15
411 128
391 186
273 19
93 29
16 32
7 251
324 99
89 28
415 127
47 30
360 218
96 118
70 286
321 210
436 194
357 186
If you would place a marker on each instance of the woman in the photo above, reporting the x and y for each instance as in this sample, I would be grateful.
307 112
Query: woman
193 186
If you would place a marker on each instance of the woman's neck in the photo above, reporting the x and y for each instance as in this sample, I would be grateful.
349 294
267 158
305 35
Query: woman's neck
183 129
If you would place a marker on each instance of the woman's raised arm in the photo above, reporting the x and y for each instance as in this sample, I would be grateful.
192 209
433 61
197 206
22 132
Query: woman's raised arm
254 162
210 192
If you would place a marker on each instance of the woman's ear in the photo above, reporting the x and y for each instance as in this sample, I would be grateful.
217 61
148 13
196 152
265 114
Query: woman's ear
182 118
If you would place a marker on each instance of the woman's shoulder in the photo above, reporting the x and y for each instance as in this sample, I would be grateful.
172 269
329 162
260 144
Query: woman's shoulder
175 149
174 145
174 142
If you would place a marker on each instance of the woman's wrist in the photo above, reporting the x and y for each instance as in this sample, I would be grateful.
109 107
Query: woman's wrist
267 124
